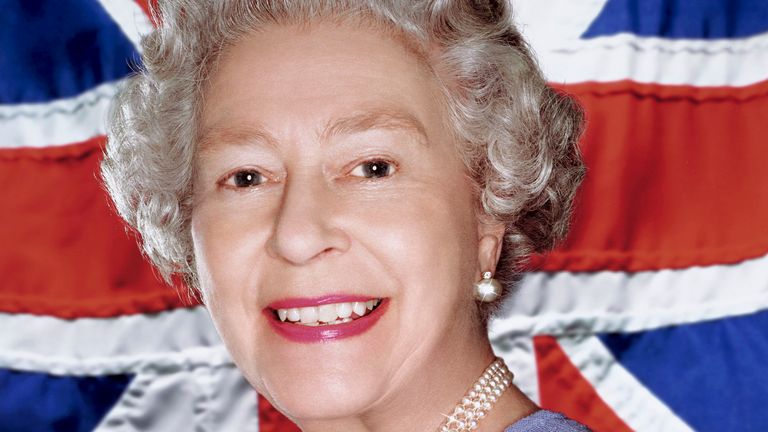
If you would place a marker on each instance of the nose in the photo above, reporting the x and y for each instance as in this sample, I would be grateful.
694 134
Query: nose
304 229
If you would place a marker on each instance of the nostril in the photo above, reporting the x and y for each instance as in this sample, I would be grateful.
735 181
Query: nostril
302 243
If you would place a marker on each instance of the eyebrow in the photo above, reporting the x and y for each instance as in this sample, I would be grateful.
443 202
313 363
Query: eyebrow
236 135
387 119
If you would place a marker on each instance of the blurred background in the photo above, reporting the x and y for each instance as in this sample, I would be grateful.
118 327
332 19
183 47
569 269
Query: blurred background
653 316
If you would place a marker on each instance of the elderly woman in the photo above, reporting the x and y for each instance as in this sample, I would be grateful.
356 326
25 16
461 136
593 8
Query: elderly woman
351 187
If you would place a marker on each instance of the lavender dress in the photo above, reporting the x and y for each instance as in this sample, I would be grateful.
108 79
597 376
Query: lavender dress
546 421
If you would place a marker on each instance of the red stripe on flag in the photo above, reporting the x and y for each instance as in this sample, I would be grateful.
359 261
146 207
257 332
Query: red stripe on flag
64 251
145 6
562 388
271 420
676 178
148 6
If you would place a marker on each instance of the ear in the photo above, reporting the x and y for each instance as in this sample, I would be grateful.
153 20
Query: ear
490 239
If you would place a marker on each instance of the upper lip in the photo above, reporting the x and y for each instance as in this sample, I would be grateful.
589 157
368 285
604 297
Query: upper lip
298 302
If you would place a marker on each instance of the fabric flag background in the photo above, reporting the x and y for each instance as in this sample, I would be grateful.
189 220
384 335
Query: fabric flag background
653 316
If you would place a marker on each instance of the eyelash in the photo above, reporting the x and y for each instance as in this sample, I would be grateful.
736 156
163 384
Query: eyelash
233 176
392 169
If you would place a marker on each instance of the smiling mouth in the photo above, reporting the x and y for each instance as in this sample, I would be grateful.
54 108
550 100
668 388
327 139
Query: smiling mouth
327 314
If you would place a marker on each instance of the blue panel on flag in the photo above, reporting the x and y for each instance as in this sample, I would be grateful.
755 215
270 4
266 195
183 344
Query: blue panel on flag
34 402
688 19
712 374
54 49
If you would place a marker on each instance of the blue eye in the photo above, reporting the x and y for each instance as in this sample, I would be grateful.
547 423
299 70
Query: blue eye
374 169
246 178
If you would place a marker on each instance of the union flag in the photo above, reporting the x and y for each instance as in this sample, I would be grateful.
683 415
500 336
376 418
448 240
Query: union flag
652 316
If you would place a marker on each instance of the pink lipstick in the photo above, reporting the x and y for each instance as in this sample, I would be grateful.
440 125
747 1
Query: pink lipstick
302 333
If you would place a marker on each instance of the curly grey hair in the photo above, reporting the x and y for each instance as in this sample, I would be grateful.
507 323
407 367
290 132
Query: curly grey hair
519 136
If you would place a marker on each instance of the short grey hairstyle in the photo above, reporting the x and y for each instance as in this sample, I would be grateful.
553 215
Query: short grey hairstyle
518 136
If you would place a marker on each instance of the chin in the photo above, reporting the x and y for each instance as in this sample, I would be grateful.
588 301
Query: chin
325 384
320 380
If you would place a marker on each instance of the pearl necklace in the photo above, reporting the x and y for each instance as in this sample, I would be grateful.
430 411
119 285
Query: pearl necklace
480 398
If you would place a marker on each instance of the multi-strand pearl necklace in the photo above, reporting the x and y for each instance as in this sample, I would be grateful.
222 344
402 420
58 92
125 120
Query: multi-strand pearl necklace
480 399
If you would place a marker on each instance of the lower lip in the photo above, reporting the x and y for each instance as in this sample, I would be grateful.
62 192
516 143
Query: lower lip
326 333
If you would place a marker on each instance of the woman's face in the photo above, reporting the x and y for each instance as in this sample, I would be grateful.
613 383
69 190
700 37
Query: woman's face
325 176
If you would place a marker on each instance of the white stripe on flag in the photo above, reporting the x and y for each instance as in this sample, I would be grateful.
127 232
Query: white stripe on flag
553 28
583 303
61 122
95 346
657 62
554 23
520 357
627 397
194 398
130 18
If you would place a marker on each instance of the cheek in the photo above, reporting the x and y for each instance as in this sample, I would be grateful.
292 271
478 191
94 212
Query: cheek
227 253
427 241
228 236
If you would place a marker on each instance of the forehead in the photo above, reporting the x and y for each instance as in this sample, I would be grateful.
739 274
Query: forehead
291 79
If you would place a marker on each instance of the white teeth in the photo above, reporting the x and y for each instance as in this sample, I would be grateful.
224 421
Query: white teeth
329 314
293 314
359 308
344 310
308 315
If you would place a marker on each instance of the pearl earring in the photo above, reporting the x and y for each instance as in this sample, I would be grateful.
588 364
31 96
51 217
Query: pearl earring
488 289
